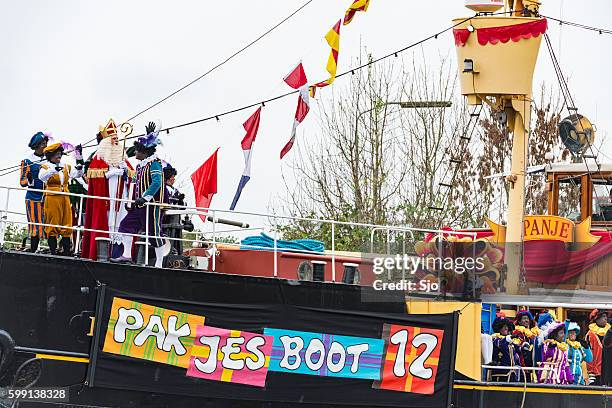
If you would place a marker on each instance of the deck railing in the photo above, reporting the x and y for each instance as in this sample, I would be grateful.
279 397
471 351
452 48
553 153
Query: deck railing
269 223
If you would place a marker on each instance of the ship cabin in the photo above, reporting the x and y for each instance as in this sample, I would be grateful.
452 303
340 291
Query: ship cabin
581 190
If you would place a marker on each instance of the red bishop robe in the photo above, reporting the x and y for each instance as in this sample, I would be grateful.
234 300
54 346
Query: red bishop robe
96 213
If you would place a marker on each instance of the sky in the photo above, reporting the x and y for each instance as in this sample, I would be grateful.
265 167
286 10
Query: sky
70 65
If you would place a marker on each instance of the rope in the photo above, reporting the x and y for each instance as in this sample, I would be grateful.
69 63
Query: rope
263 242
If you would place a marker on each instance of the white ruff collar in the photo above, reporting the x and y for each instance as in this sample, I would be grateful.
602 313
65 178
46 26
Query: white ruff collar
149 159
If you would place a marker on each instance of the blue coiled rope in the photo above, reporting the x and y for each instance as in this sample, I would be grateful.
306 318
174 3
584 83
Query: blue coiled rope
265 242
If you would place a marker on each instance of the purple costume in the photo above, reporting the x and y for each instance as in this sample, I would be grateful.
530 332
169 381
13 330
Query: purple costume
555 359
149 182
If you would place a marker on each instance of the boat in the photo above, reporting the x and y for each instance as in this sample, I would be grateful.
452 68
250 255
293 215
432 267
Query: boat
71 325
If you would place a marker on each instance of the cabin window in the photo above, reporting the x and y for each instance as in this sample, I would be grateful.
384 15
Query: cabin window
602 203
569 199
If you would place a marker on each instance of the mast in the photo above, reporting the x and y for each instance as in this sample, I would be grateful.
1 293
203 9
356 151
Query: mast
497 52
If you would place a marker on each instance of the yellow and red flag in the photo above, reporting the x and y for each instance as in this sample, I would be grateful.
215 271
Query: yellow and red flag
358 5
333 39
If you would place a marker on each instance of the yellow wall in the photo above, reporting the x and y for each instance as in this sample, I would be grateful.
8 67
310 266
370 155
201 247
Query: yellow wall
468 343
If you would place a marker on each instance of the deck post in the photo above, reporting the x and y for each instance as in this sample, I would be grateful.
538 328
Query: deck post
146 257
214 240
333 243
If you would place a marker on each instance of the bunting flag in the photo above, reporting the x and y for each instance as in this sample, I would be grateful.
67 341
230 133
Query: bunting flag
205 183
358 5
297 80
251 126
333 39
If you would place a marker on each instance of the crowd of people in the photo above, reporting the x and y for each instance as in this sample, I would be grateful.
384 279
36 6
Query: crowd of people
557 350
124 192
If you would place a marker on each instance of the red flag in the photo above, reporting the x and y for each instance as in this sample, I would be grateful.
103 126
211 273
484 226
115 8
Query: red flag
296 78
287 147
301 111
205 182
251 126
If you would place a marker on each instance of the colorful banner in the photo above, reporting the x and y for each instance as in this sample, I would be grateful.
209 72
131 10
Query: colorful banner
230 356
327 355
548 228
412 355
150 333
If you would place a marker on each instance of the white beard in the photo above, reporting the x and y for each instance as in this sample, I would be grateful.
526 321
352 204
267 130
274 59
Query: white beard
109 152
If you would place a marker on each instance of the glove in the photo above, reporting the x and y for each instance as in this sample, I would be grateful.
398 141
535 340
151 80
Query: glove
150 128
30 177
139 202
78 152
123 166
181 197
113 172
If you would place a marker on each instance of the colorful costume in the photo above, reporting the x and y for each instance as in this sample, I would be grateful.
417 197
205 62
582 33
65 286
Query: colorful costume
544 319
505 352
57 208
595 337
554 357
576 354
30 169
528 337
149 186
149 182
108 175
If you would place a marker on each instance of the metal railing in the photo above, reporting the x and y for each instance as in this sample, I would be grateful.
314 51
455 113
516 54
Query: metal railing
273 222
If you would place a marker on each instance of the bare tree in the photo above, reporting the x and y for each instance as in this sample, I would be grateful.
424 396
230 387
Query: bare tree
496 144
374 162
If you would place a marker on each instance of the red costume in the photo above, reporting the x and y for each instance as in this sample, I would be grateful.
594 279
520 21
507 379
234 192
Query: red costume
108 175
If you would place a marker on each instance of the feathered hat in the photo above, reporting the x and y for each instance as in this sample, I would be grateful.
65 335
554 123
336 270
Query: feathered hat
551 328
596 314
545 318
151 139
500 322
525 313
53 147
574 326
37 139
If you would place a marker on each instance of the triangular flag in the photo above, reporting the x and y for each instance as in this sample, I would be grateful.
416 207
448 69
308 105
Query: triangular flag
296 78
251 126
301 111
205 183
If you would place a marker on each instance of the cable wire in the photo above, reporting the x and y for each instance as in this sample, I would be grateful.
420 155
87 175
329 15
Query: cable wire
224 61
278 97
578 25
217 116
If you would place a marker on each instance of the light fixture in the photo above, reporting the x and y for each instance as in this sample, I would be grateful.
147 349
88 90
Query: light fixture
471 28
468 65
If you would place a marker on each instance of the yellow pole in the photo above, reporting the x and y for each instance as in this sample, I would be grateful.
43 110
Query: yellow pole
516 198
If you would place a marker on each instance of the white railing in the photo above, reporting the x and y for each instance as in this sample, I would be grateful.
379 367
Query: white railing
272 223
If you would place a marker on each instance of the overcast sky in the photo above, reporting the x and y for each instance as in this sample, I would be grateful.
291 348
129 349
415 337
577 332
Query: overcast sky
67 66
